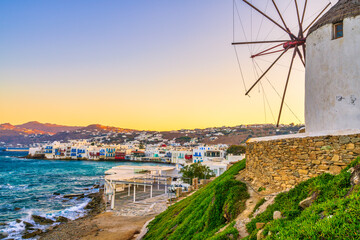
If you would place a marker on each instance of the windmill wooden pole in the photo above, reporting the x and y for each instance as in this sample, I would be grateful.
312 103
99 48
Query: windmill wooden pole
265 51
299 21
267 70
302 22
300 56
258 42
283 21
286 85
303 15
258 10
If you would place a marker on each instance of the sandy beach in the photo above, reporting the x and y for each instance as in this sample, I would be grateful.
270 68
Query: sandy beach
104 226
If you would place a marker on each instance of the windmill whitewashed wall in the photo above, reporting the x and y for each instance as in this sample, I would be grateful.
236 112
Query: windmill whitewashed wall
332 86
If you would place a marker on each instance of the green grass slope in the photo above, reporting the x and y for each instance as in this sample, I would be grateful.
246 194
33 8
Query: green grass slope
203 214
334 214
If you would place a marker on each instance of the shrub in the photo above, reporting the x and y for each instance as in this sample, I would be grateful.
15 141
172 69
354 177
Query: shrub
236 149
197 170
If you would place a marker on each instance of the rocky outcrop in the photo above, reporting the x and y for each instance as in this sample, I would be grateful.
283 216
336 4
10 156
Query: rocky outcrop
308 201
260 235
42 220
28 235
62 219
355 176
3 235
277 215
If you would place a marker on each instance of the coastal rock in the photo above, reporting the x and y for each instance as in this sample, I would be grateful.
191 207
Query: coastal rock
28 225
18 221
32 234
73 195
41 220
56 193
3 235
62 219
308 201
277 215
17 209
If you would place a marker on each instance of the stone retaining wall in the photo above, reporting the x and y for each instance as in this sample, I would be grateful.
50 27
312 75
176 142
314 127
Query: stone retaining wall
280 163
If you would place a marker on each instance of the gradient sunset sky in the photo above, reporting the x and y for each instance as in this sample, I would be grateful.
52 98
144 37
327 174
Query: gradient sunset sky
150 65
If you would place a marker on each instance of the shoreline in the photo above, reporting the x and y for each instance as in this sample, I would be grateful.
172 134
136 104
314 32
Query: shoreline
89 160
95 207
35 225
98 224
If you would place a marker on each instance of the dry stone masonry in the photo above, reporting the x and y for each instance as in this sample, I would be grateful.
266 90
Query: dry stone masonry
281 162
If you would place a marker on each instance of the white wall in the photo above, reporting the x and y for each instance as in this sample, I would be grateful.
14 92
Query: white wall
332 86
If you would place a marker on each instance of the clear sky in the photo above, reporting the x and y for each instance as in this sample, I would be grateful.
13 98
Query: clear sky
156 65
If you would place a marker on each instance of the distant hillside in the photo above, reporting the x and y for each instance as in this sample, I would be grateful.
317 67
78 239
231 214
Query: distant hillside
9 130
47 127
36 132
102 128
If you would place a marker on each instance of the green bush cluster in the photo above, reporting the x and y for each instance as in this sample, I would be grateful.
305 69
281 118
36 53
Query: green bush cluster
203 214
197 170
333 215
236 149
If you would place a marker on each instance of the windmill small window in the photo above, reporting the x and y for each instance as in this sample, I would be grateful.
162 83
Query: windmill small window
338 30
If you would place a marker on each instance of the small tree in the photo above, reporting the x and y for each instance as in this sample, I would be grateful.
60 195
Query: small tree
197 170
236 149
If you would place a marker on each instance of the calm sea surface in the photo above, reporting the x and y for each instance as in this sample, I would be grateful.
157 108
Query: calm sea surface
27 187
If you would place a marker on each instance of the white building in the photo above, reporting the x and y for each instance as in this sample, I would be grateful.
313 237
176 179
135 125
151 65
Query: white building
208 153
217 167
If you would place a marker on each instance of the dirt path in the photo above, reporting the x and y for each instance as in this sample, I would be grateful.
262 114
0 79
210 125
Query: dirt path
255 197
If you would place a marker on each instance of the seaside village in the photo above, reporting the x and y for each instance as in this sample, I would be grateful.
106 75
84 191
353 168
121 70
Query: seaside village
213 156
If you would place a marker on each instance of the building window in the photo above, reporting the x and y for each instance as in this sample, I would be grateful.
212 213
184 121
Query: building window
338 30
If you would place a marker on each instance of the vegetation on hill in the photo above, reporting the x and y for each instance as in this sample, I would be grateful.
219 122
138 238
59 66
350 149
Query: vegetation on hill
203 214
183 139
335 214
236 149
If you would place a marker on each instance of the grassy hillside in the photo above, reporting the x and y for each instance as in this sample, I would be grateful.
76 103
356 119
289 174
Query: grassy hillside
204 213
333 215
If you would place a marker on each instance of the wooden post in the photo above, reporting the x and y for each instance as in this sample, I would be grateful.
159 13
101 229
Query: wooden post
165 186
144 186
195 183
151 191
158 183
178 192
134 192
113 198
129 189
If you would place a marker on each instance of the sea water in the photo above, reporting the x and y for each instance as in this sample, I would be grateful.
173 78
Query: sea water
34 186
